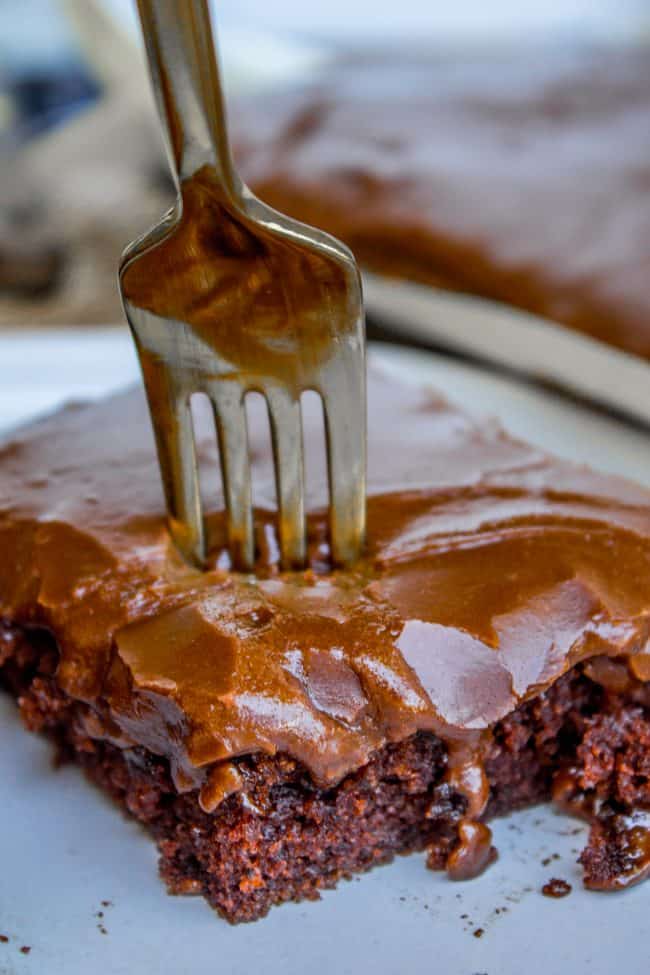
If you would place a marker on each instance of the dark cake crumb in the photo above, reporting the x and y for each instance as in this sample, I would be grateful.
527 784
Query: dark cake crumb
25 950
479 932
3 939
100 917
618 852
556 887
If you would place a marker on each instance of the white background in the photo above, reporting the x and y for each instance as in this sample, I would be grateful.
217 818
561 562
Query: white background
33 27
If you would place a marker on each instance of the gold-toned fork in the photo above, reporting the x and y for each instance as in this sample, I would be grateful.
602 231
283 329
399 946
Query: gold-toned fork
226 296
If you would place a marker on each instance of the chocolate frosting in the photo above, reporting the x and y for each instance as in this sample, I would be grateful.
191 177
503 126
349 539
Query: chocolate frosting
491 569
522 176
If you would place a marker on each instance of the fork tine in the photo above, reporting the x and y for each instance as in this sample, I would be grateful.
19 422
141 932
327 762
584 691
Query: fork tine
174 435
179 286
232 430
286 436
344 409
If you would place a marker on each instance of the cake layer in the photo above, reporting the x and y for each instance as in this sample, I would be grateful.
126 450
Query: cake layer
518 176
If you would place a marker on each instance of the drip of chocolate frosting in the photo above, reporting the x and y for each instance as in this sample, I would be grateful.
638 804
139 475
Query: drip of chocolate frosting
490 570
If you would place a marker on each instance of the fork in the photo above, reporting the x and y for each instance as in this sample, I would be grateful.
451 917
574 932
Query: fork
225 296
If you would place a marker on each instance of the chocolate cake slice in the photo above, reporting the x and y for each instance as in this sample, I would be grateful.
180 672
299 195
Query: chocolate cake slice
277 732
519 175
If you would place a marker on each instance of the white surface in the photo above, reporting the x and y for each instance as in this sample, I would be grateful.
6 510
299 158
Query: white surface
64 848
262 44
365 20
494 332
252 57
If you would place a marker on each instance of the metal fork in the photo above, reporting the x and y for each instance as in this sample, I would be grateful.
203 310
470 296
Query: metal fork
226 296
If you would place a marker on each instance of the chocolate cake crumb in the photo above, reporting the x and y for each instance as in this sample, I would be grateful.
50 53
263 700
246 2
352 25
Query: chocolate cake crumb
479 932
556 887
3 939
25 950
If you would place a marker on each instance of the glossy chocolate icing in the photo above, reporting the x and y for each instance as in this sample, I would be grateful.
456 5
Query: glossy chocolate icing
491 569
523 176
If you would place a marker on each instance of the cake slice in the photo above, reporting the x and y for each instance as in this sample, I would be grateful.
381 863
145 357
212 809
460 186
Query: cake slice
277 732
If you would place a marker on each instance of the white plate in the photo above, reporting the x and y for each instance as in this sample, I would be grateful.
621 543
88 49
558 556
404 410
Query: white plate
64 849
493 332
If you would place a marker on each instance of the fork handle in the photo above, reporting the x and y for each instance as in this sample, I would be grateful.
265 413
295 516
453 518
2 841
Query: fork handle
185 77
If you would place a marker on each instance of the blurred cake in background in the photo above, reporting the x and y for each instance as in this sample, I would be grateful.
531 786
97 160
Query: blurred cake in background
522 176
